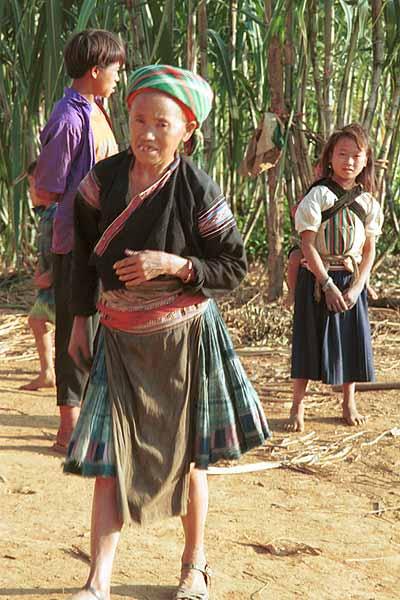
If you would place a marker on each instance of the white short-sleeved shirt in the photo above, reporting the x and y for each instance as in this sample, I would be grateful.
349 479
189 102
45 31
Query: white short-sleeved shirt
309 215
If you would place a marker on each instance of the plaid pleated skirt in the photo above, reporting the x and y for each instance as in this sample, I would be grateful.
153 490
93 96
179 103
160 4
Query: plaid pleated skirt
334 348
228 417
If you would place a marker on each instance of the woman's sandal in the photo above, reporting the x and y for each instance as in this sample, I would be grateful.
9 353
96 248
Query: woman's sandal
184 593
95 593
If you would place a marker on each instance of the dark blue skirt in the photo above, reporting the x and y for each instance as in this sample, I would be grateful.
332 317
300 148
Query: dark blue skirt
334 348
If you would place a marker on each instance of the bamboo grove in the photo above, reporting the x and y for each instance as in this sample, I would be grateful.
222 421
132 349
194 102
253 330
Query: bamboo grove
317 63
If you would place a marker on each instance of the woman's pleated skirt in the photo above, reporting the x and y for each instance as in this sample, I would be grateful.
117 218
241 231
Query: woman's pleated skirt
334 348
225 420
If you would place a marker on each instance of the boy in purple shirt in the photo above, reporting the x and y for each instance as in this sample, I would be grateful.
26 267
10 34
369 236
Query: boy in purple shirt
76 136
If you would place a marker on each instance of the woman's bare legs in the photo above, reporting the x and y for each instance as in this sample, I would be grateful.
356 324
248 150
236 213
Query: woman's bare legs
350 412
296 417
194 528
105 533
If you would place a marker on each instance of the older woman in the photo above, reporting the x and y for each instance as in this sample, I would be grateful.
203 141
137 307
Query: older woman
167 394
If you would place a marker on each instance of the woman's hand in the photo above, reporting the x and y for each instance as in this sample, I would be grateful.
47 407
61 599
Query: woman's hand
145 265
79 346
351 295
334 299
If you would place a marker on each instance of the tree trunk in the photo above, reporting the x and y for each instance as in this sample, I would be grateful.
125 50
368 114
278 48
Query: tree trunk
191 38
378 45
274 215
390 123
206 129
329 33
315 64
343 94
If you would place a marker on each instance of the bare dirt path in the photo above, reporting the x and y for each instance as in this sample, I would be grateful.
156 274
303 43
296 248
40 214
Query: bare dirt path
335 505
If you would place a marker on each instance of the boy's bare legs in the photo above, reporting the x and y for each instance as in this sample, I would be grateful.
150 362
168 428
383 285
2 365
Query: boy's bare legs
296 417
292 270
68 419
194 527
350 412
105 533
42 332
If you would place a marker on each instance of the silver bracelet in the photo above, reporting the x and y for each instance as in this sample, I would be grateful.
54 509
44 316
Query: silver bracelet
327 283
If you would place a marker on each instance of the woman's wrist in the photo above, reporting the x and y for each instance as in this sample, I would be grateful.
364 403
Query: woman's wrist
186 274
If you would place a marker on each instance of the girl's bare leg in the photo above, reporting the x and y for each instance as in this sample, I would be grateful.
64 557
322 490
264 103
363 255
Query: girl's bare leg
105 533
194 527
296 417
350 412
41 330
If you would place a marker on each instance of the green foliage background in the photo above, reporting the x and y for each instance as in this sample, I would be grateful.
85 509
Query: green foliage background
335 57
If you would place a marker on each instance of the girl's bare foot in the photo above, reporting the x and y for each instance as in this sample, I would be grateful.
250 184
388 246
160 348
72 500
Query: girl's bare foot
296 418
352 416
46 380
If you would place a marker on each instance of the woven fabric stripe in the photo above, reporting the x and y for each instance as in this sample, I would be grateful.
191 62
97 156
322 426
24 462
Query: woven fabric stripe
340 232
89 189
117 225
215 219
190 89
91 449
230 419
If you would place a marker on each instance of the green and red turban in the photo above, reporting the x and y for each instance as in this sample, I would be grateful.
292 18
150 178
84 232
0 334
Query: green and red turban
190 91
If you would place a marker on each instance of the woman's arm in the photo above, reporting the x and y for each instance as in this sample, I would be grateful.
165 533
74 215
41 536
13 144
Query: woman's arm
215 274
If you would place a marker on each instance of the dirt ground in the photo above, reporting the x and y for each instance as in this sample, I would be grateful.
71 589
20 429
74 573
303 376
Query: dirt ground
323 525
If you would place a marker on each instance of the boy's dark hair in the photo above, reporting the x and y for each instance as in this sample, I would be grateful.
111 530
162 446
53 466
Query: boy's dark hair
91 48
31 167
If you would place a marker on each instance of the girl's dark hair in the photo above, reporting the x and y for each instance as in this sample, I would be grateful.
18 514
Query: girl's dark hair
91 48
355 132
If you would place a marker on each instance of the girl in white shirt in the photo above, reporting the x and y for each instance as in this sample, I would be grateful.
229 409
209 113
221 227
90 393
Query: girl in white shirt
338 221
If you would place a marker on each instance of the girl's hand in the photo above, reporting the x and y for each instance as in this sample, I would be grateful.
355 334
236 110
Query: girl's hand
334 299
351 295
141 266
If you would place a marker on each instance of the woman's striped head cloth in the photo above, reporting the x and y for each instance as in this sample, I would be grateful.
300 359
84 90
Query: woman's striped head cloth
190 91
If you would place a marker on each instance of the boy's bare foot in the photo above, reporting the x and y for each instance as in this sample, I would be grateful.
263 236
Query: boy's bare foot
296 418
42 381
352 416
69 417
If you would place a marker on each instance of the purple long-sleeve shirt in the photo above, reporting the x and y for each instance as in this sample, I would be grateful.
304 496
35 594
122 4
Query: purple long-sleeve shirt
67 155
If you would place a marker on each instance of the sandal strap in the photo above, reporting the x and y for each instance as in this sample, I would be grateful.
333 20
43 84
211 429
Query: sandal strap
186 595
204 569
98 595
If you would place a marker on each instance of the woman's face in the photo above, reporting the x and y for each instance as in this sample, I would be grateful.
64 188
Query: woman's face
157 126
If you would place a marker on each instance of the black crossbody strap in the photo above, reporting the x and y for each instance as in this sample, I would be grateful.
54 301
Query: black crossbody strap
345 199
